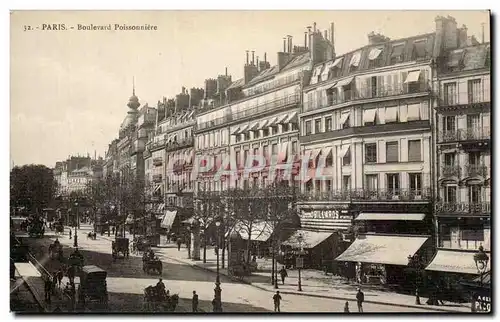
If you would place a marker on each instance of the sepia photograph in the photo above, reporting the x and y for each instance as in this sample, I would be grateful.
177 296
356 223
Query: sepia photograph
250 161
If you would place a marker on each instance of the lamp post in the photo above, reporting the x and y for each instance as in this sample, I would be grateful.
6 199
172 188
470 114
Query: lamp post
481 260
75 241
218 290
188 241
415 263
299 262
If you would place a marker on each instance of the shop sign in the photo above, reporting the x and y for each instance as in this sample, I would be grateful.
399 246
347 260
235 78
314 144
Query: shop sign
325 214
481 303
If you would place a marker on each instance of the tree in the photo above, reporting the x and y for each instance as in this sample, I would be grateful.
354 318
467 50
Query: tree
208 208
32 186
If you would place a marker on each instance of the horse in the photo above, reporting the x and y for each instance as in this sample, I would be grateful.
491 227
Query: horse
156 299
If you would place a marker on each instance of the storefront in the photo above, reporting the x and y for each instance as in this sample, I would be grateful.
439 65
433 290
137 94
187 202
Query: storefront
480 290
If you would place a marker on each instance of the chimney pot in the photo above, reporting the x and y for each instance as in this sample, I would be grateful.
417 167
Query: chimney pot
305 39
265 57
247 56
284 44
326 34
257 61
314 27
226 71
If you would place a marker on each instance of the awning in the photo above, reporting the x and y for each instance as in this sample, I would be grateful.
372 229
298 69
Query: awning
344 116
344 82
326 151
161 207
454 261
413 76
308 239
316 73
291 118
391 114
344 150
235 131
374 53
281 119
262 125
314 154
369 115
337 61
272 121
261 231
390 216
189 157
244 128
355 59
191 114
254 126
27 270
382 249
168 219
326 70
413 113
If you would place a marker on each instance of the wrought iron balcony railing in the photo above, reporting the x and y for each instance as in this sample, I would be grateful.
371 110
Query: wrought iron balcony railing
463 208
465 98
483 133
476 170
367 195
367 92
450 171
187 142
157 178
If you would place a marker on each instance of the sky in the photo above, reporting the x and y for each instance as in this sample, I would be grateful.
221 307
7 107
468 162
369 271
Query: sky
69 89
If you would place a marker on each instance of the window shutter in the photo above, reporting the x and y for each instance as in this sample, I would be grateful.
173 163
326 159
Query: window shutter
414 150
391 151
380 85
403 86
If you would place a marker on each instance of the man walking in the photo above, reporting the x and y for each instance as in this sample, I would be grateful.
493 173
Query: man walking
70 233
360 297
179 243
195 302
277 301
47 288
283 274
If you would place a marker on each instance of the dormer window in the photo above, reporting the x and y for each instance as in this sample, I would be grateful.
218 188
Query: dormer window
419 49
355 60
397 53
375 57
456 60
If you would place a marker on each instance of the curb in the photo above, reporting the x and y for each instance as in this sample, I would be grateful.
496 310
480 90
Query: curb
37 296
317 295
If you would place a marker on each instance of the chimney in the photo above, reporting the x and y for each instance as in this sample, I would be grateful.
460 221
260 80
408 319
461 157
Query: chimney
374 39
332 33
305 39
226 71
257 61
314 27
326 35
183 90
247 56
446 35
482 33
290 43
253 57
284 44
462 37
282 60
265 57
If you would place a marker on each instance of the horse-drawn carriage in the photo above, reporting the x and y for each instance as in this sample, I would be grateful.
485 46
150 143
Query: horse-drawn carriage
93 293
56 250
36 228
141 244
156 299
120 246
151 263
76 260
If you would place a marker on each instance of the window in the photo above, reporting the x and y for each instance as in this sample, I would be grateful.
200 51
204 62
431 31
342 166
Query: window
247 136
265 132
295 147
391 150
317 126
328 124
414 153
274 149
474 194
346 160
415 183
255 153
449 159
245 157
309 186
473 121
474 158
328 185
329 160
245 184
266 151
397 53
371 153
255 182
256 134
317 185
238 158
450 194
371 182
449 123
294 127
473 233
450 94
419 50
474 91
308 127
346 183
393 183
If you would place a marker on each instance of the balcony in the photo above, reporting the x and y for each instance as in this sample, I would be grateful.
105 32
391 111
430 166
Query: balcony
184 143
476 170
463 208
273 85
156 145
450 171
477 134
157 178
274 105
464 98
368 92
371 195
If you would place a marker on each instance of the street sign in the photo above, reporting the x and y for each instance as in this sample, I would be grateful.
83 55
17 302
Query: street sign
299 262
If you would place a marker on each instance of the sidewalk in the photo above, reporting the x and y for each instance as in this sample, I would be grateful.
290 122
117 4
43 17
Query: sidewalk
314 283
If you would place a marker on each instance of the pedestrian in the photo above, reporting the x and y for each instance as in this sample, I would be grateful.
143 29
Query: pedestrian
70 233
277 301
346 307
60 275
54 283
360 297
283 274
47 288
195 302
179 242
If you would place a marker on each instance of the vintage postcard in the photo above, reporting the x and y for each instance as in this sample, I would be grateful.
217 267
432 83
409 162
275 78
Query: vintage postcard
250 161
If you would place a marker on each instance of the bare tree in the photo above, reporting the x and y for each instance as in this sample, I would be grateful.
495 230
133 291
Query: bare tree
207 209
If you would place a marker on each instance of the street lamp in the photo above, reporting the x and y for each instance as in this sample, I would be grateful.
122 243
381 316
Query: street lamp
218 290
415 263
75 241
188 241
299 262
481 260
